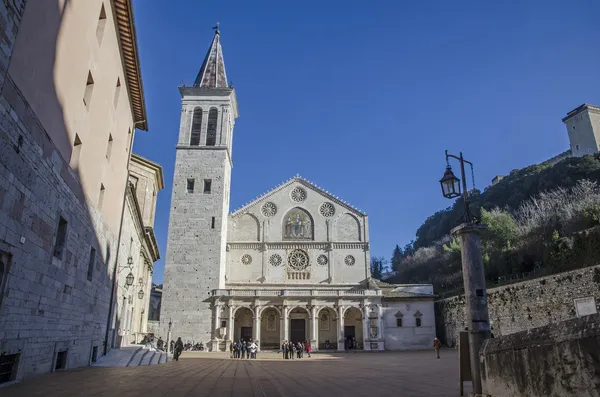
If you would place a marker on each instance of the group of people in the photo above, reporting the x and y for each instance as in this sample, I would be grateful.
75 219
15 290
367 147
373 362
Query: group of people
289 349
242 349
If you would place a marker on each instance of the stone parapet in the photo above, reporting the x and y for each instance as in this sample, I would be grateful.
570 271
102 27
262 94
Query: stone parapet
556 360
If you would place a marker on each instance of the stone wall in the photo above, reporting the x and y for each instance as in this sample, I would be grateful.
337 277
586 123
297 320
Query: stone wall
556 360
48 302
522 306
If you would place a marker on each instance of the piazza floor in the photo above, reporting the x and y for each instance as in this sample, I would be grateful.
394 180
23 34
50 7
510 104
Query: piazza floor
404 374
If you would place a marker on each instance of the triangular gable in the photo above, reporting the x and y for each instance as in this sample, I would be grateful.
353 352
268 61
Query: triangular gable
306 183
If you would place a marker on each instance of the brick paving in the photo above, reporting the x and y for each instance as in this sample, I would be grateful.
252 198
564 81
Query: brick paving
403 374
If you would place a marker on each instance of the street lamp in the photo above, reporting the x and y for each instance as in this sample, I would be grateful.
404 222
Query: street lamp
451 184
141 294
478 319
129 279
170 325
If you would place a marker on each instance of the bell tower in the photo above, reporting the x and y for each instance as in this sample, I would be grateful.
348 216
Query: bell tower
196 243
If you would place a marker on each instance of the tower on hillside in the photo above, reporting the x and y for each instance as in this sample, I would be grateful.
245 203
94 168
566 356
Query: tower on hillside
200 201
583 127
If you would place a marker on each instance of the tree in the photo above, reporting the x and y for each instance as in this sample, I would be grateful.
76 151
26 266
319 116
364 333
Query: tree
377 267
397 257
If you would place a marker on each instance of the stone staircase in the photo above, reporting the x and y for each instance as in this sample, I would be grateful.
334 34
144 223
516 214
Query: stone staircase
132 356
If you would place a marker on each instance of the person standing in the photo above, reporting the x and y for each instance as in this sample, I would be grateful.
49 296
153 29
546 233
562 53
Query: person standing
253 350
308 349
178 348
436 346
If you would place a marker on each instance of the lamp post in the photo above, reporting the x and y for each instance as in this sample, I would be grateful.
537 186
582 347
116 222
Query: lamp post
478 319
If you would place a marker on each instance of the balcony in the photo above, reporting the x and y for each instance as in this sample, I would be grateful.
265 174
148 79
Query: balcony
243 293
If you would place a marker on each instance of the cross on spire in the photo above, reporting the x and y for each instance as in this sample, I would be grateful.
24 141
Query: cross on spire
216 28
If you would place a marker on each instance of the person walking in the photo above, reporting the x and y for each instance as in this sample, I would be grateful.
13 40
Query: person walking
436 346
284 350
178 348
308 349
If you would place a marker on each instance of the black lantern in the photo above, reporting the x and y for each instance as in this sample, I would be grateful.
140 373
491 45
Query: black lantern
170 325
141 294
450 184
129 279
130 261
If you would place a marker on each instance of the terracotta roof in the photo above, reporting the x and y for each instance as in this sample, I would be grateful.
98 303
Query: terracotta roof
131 62
212 73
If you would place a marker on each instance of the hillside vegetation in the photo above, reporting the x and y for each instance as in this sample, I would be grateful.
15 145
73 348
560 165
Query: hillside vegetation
542 218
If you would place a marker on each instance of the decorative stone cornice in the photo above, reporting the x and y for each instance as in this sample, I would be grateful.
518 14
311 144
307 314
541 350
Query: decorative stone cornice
295 245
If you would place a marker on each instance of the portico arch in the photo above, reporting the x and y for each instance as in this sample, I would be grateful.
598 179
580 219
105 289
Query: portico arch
270 328
353 326
327 328
298 318
243 323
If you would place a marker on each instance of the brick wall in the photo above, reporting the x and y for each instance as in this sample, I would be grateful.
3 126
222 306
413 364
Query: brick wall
48 304
522 306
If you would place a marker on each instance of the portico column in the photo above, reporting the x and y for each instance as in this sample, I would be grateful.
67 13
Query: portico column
365 325
256 327
381 330
314 321
341 341
217 323
284 323
230 323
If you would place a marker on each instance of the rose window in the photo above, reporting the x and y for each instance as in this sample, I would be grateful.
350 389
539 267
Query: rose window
298 194
349 260
269 209
246 259
275 260
327 210
298 260
322 260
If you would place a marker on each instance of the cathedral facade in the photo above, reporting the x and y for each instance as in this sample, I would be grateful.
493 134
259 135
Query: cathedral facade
291 265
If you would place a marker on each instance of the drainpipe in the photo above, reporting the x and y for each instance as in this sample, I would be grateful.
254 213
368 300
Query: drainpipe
114 281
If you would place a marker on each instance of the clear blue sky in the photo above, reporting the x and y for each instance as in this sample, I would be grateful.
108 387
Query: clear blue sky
363 99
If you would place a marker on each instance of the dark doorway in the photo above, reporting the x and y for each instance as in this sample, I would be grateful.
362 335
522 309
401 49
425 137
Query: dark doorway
349 331
246 333
61 360
298 330
8 367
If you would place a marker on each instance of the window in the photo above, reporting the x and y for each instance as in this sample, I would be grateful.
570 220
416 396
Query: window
89 88
4 261
101 25
223 323
8 367
91 263
76 153
94 354
109 146
117 92
398 322
418 321
61 238
101 196
211 131
212 223
190 186
207 185
196 127
61 360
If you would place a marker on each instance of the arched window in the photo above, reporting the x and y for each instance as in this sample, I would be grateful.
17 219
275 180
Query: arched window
196 127
211 132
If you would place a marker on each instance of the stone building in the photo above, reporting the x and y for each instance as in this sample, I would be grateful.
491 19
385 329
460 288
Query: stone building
71 100
292 265
138 251
583 127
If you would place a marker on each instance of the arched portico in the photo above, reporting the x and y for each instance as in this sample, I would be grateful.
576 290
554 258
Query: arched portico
327 329
243 324
299 325
353 327
270 328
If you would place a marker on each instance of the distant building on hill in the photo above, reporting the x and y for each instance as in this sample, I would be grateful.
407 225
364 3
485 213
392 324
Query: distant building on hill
583 127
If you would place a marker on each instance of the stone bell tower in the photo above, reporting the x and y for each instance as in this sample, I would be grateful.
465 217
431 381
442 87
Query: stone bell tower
196 244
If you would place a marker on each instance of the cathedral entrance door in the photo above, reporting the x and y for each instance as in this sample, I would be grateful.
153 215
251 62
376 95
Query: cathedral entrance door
297 330
246 333
349 333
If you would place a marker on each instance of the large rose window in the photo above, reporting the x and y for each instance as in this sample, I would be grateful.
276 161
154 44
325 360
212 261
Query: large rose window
298 260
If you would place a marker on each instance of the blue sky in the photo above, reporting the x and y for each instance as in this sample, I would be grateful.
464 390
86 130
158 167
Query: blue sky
362 98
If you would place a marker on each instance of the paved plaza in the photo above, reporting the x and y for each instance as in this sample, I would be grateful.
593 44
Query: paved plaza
403 374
